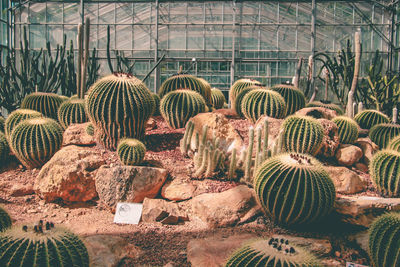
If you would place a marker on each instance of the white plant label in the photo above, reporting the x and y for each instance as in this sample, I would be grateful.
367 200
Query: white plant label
128 213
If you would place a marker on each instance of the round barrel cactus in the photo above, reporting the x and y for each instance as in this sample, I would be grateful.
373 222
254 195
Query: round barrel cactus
237 106
384 169
276 251
4 148
34 141
394 144
206 84
218 98
90 129
347 129
42 244
72 111
260 102
157 104
119 105
294 189
302 134
131 151
5 220
18 116
331 106
382 133
177 107
2 121
294 98
238 87
45 103
186 81
370 117
384 245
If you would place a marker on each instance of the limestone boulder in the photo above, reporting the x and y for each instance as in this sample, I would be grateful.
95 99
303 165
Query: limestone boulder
229 113
76 134
348 155
317 112
368 148
346 181
166 212
330 141
178 190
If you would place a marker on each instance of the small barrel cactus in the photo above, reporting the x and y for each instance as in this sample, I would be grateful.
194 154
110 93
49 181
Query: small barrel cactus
384 245
42 244
4 148
18 116
34 141
237 106
294 189
119 105
384 169
157 104
318 104
394 144
294 98
347 129
260 102
2 122
45 103
382 133
369 118
72 111
276 251
90 129
238 87
131 151
177 107
218 98
5 220
302 134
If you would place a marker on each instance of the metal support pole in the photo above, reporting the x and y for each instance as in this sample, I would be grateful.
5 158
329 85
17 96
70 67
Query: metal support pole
391 45
233 43
157 72
313 36
82 11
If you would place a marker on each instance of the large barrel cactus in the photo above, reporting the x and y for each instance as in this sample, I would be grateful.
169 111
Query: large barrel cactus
72 111
119 105
302 134
218 98
5 220
177 107
294 189
382 133
276 251
260 102
347 129
294 98
384 169
42 245
34 141
237 106
18 116
186 81
4 148
45 103
318 104
384 245
394 144
238 87
370 117
131 151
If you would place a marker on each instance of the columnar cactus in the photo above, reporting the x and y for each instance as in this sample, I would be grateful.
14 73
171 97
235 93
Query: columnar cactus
119 105
218 98
90 129
5 220
275 251
45 103
381 134
237 105
131 151
294 189
238 87
384 169
294 98
72 111
42 244
34 141
260 102
394 144
157 104
369 118
331 106
347 129
302 134
178 106
384 246
4 148
18 116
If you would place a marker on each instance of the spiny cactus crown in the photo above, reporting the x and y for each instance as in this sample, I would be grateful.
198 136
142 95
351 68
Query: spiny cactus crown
394 144
131 151
369 118
331 106
238 87
294 98
18 116
347 129
382 133
72 111
45 103
218 98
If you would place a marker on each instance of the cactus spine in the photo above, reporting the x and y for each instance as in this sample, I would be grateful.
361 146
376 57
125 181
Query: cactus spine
5 220
369 118
72 111
131 151
4 149
330 106
18 116
238 87
294 98
218 98
45 103
394 144
381 134
347 129
384 169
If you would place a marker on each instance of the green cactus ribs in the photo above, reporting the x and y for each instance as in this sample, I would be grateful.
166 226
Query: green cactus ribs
45 103
381 134
330 106
5 220
218 98
237 105
384 236
347 129
18 116
42 244
294 98
119 105
157 104
72 111
34 141
238 87
395 144
294 189
4 149
276 251
131 151
369 118
384 169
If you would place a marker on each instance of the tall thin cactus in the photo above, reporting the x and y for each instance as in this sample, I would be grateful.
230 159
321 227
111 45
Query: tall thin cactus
83 57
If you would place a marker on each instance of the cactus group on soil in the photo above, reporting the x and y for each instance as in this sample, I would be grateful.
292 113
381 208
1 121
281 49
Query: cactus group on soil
238 87
5 220
4 148
72 111
331 106
384 246
347 129
18 116
275 251
294 98
384 169
382 133
394 144
131 151
294 189
45 103
218 98
34 141
178 106
119 105
369 118
42 244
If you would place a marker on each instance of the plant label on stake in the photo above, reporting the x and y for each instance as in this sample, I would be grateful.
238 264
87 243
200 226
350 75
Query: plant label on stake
128 213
